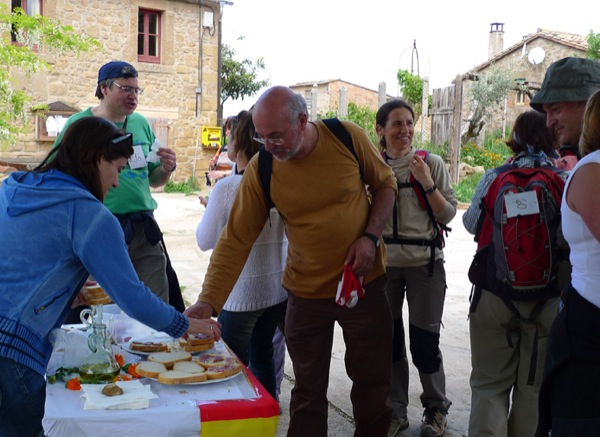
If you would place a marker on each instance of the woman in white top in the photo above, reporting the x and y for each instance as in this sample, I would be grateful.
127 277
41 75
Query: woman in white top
569 397
257 302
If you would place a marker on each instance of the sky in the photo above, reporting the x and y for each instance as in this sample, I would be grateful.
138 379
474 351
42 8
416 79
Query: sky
365 43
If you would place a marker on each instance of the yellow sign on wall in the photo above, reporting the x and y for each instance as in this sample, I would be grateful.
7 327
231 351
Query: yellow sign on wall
211 136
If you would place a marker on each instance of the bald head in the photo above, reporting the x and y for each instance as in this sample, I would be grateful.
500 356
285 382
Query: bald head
280 116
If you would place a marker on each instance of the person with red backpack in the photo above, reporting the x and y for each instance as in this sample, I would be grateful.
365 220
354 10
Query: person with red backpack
515 217
414 237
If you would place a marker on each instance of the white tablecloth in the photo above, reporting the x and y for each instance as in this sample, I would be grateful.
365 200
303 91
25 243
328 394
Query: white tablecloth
173 414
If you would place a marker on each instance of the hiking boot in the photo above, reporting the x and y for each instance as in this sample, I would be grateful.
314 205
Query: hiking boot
434 423
398 424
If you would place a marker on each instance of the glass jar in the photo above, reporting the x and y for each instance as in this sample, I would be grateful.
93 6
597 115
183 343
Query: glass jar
101 364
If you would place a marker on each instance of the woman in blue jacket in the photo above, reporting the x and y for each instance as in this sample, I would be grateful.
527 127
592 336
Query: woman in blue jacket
55 233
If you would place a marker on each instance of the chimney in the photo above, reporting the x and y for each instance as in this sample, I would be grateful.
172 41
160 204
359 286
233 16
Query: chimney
496 44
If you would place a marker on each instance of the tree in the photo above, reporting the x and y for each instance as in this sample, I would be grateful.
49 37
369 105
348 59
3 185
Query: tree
412 91
34 35
238 78
593 51
486 94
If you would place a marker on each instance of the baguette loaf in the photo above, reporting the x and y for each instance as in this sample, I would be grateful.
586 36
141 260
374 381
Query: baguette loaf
223 371
179 377
170 358
150 369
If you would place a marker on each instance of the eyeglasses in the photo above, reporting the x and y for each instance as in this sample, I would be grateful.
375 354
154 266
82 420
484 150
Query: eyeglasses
274 141
127 138
129 89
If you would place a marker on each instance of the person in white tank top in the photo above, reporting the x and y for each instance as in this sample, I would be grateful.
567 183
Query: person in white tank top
569 401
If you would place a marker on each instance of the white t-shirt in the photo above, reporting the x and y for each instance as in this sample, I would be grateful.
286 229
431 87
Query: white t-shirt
259 284
585 248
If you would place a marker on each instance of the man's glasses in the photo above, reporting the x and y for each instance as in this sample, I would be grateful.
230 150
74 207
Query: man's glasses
129 89
274 141
264 141
127 138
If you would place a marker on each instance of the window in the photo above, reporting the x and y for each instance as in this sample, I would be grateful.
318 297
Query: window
31 7
521 97
148 36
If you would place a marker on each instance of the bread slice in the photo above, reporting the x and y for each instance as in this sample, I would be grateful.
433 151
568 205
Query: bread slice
150 369
170 358
223 371
188 366
192 348
148 346
179 377
198 339
213 359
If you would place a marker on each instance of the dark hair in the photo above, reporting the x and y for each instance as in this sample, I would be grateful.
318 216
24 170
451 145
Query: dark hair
107 83
530 129
230 124
383 113
83 144
244 135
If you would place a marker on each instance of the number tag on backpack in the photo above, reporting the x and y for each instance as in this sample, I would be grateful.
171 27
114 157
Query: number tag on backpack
519 204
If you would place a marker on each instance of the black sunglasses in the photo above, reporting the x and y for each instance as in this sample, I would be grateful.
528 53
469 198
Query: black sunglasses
127 138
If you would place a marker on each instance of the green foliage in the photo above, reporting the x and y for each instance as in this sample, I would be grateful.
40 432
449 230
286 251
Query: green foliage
493 153
34 34
238 78
593 51
465 189
441 150
188 187
362 116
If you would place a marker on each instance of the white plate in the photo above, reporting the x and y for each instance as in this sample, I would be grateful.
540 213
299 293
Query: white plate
208 381
158 338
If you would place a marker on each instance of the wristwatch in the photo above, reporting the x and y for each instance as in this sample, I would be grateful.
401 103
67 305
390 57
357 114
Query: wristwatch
373 238
431 190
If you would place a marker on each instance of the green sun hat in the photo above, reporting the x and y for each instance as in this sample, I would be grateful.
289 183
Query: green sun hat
568 80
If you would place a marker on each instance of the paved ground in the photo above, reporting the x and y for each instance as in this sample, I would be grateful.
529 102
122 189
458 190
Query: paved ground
178 216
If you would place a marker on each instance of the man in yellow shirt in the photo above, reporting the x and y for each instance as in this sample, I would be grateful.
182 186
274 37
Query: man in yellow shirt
317 187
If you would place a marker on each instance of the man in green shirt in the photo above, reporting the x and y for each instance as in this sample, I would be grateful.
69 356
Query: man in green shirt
131 201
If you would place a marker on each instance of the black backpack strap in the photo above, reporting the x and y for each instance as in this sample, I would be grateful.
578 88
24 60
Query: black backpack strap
265 167
530 320
338 129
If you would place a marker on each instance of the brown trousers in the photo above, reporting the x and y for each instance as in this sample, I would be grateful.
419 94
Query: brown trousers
367 331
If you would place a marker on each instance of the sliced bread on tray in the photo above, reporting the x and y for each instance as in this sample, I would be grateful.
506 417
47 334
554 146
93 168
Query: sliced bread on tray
180 377
150 369
170 358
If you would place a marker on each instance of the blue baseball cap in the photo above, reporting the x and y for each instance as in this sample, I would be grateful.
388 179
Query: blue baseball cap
116 69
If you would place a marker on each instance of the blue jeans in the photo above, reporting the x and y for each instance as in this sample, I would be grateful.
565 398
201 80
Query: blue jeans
22 399
249 334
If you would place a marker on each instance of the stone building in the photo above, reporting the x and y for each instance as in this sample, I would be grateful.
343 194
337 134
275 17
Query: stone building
174 45
328 94
527 61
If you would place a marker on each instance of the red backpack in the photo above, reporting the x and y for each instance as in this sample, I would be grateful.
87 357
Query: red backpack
517 253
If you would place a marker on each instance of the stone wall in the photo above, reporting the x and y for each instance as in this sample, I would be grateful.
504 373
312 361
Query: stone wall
189 59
